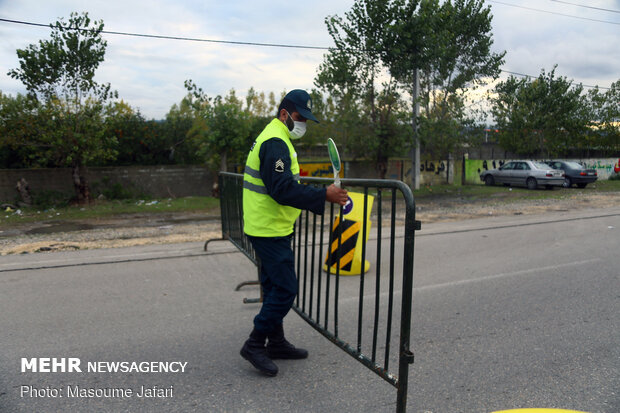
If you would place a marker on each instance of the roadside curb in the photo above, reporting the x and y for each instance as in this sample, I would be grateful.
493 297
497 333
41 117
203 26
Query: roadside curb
10 263
490 223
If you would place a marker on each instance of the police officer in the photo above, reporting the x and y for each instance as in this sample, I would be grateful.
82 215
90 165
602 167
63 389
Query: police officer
272 201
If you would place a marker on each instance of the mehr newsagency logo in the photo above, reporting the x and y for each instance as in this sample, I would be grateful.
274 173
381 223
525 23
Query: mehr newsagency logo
75 365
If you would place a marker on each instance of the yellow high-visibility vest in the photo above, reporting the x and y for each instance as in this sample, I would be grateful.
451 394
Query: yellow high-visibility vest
262 215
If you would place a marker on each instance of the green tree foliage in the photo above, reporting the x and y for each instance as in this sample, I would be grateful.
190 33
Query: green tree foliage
151 142
545 115
366 104
135 136
18 120
221 127
258 107
380 44
64 66
175 128
605 116
450 44
70 106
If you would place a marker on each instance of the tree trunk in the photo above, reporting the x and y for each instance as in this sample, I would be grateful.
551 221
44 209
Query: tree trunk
80 184
24 192
381 166
223 161
382 169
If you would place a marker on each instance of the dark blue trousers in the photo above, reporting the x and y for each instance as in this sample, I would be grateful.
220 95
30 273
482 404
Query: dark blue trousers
278 280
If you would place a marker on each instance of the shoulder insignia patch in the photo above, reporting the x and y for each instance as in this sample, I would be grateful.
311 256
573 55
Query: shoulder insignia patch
279 165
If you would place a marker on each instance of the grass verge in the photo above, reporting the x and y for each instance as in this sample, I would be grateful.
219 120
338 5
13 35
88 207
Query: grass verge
107 209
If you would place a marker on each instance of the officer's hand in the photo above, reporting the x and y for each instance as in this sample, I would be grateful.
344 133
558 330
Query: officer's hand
336 195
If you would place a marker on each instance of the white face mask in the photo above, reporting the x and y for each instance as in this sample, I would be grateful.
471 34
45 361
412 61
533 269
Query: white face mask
299 128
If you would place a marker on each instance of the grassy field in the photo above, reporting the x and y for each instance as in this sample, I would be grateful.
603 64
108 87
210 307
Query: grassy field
110 208
210 206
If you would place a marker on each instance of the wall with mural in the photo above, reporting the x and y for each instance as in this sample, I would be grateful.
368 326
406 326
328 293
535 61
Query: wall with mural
432 172
474 167
320 170
436 172
605 167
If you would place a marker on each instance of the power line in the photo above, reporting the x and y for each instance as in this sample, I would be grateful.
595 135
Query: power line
191 39
552 12
587 7
151 36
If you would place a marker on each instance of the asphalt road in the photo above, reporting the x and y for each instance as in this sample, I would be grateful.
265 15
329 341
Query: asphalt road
508 312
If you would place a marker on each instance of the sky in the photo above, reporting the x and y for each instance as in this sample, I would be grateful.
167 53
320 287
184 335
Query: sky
149 74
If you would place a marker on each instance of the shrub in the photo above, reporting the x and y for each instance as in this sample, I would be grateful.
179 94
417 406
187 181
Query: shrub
116 190
51 199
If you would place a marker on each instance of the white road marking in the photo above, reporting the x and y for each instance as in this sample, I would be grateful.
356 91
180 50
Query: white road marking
505 275
452 284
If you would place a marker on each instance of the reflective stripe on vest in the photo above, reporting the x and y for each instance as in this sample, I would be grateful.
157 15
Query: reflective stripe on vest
263 216
256 174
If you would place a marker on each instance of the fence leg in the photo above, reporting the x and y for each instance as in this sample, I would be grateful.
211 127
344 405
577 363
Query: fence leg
224 238
253 300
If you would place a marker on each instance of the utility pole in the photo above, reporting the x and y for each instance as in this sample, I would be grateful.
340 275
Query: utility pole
415 164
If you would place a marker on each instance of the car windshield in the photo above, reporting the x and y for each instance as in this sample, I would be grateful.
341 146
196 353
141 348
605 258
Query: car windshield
540 165
573 165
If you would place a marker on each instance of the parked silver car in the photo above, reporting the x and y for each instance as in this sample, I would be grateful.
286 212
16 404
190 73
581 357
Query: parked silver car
530 174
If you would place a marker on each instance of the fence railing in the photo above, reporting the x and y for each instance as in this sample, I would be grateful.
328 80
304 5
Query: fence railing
359 313
231 214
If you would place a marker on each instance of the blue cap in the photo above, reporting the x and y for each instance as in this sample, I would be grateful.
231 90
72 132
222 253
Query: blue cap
303 103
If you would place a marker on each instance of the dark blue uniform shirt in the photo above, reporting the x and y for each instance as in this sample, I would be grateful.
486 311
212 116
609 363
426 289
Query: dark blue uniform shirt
275 171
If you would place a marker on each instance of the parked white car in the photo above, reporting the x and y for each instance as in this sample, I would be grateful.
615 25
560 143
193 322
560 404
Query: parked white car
530 174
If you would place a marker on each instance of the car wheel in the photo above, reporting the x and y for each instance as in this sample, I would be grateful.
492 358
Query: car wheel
489 180
581 185
567 183
531 183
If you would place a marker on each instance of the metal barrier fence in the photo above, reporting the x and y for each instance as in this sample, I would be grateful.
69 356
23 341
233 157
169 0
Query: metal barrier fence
231 213
334 304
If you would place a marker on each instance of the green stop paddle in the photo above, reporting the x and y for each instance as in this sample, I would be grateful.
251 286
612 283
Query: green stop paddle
334 157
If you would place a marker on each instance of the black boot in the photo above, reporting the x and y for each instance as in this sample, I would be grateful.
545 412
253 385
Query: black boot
254 351
279 348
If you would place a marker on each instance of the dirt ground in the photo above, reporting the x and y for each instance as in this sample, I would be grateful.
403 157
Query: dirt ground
132 230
